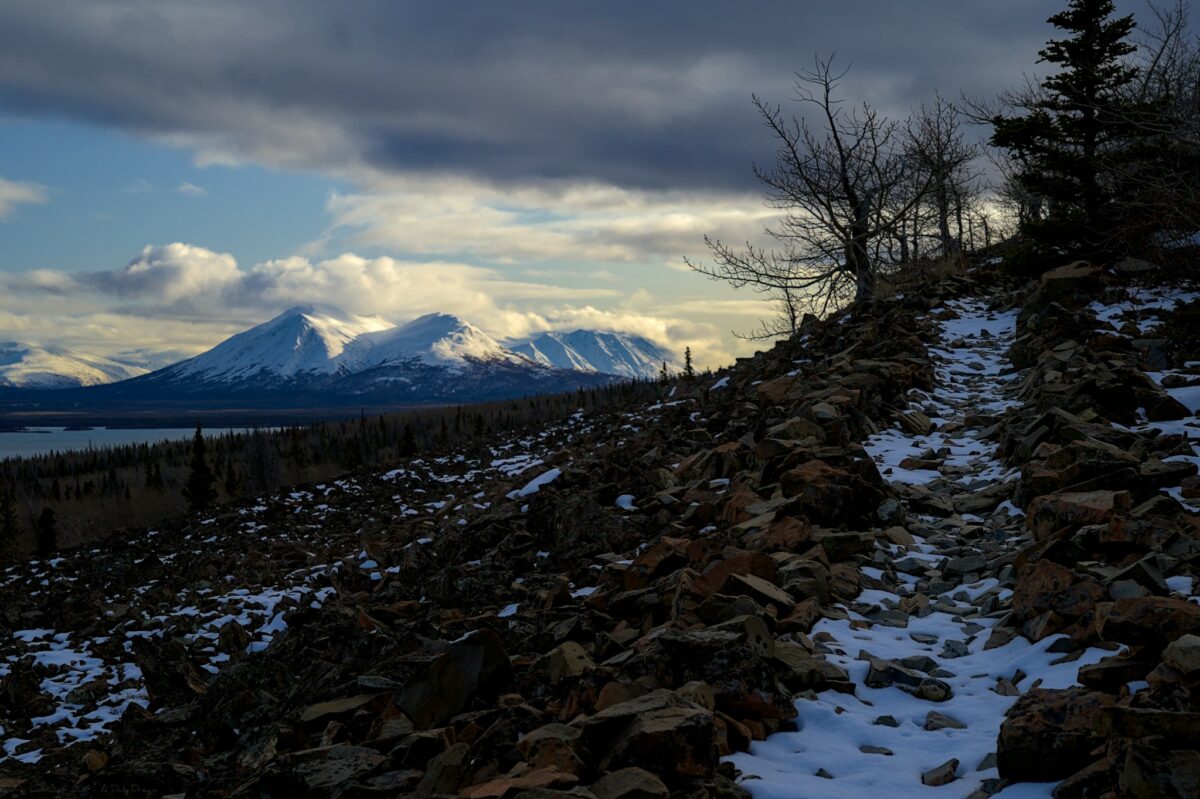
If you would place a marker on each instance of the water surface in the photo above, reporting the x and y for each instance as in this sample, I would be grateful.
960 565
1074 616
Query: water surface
41 440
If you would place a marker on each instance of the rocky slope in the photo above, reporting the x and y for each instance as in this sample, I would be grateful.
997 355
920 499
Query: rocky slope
932 547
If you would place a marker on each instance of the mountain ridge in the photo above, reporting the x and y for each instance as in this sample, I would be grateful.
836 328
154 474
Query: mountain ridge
32 366
314 346
603 351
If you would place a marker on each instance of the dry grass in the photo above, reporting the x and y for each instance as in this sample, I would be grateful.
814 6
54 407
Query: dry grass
912 277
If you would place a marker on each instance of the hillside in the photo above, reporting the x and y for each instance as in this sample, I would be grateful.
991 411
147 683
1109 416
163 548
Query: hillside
32 367
943 544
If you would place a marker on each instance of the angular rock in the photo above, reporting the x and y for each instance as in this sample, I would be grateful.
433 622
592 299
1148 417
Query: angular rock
1051 512
477 666
1183 654
629 783
1150 620
659 732
942 775
1049 735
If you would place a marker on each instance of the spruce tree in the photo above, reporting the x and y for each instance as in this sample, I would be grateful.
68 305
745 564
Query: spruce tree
47 533
689 371
1075 133
408 442
200 490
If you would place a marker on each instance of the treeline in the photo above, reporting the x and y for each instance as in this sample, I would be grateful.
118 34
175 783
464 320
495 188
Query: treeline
65 499
1098 160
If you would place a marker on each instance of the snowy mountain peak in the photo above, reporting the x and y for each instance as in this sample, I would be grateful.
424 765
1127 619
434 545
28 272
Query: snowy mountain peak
599 351
303 339
31 366
433 338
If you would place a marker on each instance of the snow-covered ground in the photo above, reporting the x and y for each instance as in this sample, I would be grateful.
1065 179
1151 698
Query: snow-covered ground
1146 309
92 678
880 741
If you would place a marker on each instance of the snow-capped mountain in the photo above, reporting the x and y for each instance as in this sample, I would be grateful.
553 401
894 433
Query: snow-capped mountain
597 351
30 366
305 340
435 338
323 356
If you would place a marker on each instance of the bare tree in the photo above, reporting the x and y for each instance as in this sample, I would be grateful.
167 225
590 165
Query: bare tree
946 160
1163 190
844 182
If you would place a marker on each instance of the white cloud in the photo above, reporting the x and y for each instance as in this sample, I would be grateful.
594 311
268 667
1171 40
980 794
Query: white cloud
182 296
575 222
191 189
175 274
15 192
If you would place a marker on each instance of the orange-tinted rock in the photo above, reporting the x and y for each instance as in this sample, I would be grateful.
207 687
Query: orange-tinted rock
1051 512
1150 620
1049 735
1047 586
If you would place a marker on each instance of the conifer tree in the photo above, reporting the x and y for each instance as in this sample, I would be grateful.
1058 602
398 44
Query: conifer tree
408 442
47 532
689 371
1073 133
200 490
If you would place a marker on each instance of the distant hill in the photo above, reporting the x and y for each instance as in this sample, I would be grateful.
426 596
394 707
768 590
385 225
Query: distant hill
31 366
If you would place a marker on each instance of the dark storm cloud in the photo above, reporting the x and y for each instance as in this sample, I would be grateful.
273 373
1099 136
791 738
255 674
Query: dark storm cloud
640 94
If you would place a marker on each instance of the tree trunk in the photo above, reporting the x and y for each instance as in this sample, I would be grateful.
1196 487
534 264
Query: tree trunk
942 197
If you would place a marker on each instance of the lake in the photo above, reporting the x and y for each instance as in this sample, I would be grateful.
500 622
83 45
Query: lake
40 440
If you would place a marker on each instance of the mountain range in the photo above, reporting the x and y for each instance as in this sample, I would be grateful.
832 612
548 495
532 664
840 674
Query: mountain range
29 366
594 351
314 355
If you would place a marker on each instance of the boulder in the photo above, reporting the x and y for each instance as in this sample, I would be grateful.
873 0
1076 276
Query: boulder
1183 654
1149 620
830 495
21 692
1049 735
630 783
552 745
568 660
1051 512
1150 772
476 666
1047 586
170 676
660 732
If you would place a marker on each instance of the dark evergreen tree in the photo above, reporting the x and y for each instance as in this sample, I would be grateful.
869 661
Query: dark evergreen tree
408 442
689 371
200 490
1071 137
47 533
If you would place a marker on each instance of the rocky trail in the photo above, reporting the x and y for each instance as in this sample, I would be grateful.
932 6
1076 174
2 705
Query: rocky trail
934 673
938 545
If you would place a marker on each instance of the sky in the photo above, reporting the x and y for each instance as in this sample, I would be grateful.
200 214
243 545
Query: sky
172 172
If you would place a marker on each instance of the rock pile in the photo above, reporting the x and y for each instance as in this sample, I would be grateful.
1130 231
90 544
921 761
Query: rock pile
1108 551
611 628
859 552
